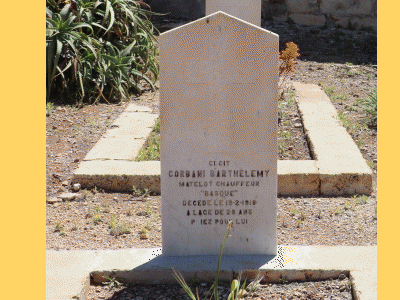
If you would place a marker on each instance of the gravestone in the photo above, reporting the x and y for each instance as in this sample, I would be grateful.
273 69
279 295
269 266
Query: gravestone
246 10
218 111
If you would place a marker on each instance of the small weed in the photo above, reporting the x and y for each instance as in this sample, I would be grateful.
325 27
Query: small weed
106 205
293 212
351 108
97 219
92 121
76 225
131 212
370 107
138 192
290 98
148 226
282 280
299 221
151 151
302 215
113 221
280 111
347 206
282 149
59 226
360 143
62 232
345 122
341 98
370 76
329 90
376 213
372 165
338 211
143 231
120 229
112 282
49 108
286 134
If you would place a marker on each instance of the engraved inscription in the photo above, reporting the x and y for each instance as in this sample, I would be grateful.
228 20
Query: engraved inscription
219 201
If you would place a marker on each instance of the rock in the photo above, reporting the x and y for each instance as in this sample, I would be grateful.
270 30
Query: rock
53 200
62 189
76 187
297 125
115 199
76 160
65 183
68 196
144 236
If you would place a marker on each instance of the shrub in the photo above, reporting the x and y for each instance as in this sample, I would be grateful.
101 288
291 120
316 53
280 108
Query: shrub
98 49
370 106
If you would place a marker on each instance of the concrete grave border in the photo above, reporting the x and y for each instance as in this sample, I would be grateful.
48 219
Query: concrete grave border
69 273
337 168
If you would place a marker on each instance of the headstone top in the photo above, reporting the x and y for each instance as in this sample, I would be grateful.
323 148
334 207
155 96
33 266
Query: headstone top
246 10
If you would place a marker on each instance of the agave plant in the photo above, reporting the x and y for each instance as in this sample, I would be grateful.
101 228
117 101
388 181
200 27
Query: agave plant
99 49
62 42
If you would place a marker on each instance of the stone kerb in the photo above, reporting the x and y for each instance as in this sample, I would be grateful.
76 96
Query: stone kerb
218 110
246 10
327 174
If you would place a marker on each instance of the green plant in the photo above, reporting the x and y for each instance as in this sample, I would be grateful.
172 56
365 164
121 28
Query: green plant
370 106
75 225
151 151
120 229
112 282
360 143
59 226
338 211
347 206
286 135
92 122
282 280
329 90
98 49
49 108
293 212
113 221
137 191
341 98
236 290
97 219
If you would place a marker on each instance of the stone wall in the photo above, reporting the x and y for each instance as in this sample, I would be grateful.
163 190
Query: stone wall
357 13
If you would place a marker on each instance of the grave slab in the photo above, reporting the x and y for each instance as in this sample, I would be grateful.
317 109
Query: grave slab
246 10
218 112
341 167
68 272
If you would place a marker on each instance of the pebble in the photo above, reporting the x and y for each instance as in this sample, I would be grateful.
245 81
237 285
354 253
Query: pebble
297 125
65 183
53 200
76 187
62 189
68 196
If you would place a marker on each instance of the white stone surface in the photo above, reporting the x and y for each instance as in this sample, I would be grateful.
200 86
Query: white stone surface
218 110
247 10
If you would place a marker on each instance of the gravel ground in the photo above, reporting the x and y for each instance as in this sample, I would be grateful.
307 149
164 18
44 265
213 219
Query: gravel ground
105 220
338 289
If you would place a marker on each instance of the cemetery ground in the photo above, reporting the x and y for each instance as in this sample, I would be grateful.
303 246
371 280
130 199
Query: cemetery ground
105 220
